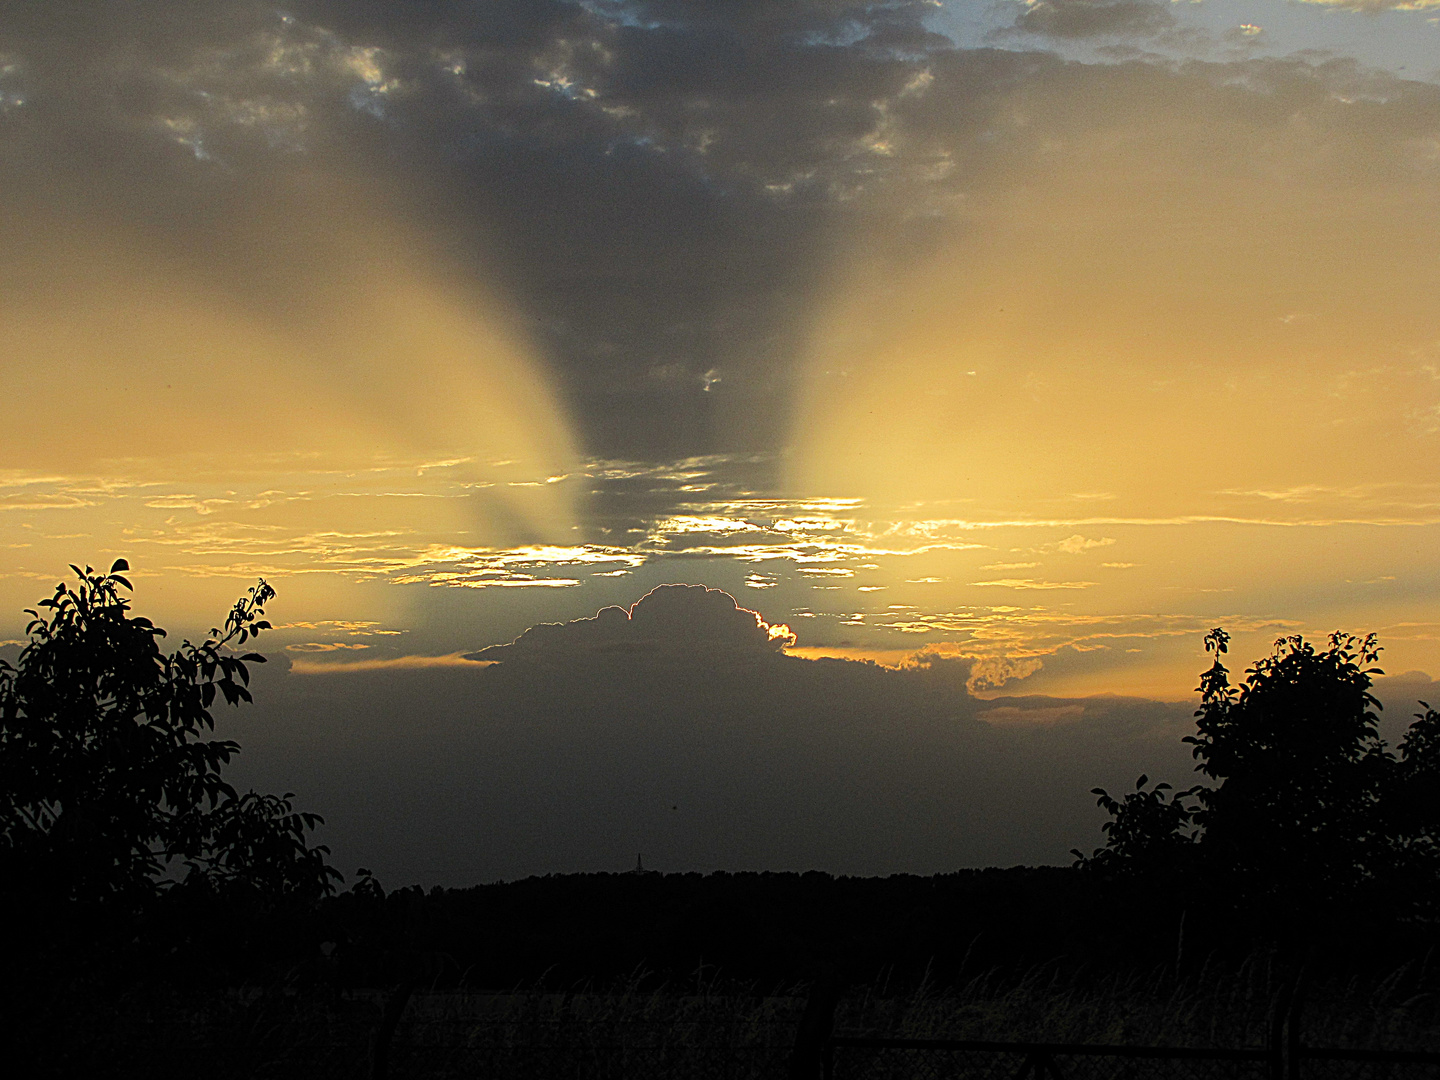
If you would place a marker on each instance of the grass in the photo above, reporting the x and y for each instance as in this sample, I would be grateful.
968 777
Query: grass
1214 1006
710 1029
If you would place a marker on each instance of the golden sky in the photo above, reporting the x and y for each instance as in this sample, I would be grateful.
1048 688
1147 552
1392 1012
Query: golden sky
1048 335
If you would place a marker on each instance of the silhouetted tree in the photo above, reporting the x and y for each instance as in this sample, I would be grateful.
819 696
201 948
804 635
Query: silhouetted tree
1309 806
1413 813
1149 832
110 791
1301 768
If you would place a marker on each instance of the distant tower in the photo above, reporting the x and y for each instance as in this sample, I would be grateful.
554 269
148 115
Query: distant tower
640 867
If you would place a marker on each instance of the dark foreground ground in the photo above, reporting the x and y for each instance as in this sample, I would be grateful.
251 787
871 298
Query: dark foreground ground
644 975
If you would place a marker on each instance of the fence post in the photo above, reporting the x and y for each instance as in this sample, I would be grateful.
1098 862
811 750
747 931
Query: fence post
1292 1029
1040 1064
389 1020
812 1057
1284 1043
1275 1040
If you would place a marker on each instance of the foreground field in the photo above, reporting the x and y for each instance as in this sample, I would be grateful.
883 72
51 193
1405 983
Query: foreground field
706 1029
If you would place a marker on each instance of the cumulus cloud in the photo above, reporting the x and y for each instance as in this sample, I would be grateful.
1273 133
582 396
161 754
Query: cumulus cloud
699 745
676 621
983 673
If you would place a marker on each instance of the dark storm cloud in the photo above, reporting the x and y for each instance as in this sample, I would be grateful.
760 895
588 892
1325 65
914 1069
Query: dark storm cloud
665 189
692 740
1403 696
660 179
651 181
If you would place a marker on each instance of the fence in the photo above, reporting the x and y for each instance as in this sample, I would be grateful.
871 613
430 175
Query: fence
913 1059
921 1059
603 1036
821 1054
714 1038
719 1039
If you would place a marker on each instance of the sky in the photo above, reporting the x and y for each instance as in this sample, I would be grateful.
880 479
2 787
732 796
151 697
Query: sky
1007 346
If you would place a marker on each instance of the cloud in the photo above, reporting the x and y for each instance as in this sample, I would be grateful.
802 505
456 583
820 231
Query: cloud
1375 6
689 621
1074 545
1009 714
992 672
1031 583
604 157
427 294
304 666
1401 695
984 673
1045 268
569 753
1094 18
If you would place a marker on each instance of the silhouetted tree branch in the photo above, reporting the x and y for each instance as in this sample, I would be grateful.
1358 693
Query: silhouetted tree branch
110 790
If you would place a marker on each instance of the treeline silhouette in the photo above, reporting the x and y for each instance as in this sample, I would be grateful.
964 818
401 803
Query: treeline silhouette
114 812
128 866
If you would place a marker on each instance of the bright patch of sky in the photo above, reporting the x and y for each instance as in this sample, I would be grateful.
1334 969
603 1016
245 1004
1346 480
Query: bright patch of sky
1404 40
905 349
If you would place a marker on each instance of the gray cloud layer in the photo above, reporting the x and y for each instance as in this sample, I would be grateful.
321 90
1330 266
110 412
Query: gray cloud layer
688 737
1093 18
664 187
683 734
611 162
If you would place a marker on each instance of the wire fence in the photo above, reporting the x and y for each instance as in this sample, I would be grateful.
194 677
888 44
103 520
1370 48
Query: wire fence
739 1047
668 1036
875 1059
858 1058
